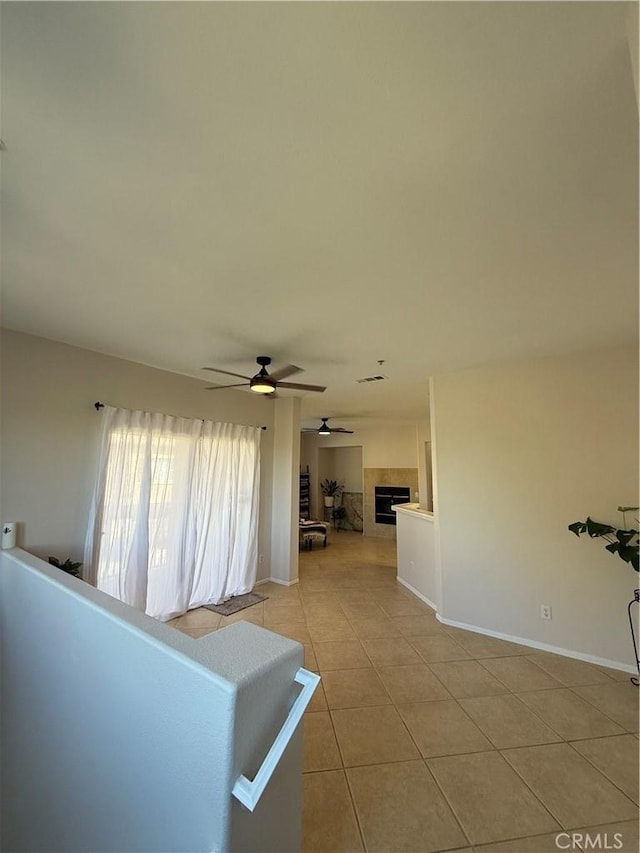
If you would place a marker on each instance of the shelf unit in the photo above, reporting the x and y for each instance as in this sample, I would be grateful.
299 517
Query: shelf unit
304 495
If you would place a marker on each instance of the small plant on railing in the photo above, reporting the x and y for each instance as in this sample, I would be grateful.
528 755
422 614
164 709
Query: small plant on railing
69 566
622 541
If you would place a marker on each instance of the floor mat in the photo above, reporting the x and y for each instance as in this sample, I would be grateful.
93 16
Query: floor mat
238 602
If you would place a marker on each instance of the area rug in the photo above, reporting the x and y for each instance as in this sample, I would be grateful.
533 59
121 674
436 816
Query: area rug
238 602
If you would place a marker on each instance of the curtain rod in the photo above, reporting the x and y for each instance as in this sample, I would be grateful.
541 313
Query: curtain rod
98 405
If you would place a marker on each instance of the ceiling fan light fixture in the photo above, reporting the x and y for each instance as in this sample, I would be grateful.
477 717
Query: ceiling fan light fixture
262 385
325 429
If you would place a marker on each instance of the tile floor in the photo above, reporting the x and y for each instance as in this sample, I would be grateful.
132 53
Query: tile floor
427 738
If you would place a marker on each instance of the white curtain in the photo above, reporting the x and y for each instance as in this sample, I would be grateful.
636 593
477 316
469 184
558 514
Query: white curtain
174 519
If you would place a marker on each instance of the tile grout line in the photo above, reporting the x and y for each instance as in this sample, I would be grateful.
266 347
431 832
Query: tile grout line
536 798
504 682
419 752
593 705
447 801
344 769
352 616
346 778
546 723
355 810
524 781
595 766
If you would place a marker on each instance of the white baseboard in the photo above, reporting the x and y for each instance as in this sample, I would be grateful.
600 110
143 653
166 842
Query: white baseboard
535 644
418 594
276 580
522 641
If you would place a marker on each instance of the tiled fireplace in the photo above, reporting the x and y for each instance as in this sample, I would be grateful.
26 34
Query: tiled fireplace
385 477
384 499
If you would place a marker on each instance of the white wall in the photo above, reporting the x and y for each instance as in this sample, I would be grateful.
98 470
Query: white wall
383 446
632 37
425 483
50 431
323 471
343 464
416 554
286 491
522 450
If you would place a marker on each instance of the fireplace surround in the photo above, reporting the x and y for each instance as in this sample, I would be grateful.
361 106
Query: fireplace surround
405 477
385 497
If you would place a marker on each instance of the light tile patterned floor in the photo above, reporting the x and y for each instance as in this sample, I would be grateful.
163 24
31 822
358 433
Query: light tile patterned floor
426 738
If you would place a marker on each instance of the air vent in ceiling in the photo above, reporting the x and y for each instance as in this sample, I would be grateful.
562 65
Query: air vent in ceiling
371 379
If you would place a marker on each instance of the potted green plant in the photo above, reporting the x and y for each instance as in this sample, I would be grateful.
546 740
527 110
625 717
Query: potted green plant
69 566
621 541
624 542
331 489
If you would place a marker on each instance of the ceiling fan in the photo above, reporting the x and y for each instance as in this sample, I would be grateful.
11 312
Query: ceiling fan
263 382
325 429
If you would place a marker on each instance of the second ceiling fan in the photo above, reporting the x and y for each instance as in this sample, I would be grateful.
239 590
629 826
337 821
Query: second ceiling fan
325 429
263 382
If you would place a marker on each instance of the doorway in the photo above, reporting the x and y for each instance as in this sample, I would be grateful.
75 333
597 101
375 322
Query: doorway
343 464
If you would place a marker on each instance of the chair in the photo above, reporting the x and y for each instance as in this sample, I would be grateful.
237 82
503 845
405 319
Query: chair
313 530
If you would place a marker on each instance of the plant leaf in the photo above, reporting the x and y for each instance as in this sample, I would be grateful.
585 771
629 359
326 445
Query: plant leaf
629 553
595 528
625 536
625 544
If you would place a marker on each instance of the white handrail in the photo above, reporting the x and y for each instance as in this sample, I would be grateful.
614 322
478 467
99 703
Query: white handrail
249 792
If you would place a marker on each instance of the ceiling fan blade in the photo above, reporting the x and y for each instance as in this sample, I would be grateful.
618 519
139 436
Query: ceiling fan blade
287 370
339 429
219 387
226 372
300 387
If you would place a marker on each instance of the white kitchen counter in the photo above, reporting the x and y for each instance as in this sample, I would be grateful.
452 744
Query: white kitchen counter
413 509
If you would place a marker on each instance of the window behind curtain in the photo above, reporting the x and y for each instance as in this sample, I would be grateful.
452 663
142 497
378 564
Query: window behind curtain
174 523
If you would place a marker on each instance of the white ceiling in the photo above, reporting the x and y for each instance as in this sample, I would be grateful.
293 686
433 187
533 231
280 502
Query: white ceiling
439 185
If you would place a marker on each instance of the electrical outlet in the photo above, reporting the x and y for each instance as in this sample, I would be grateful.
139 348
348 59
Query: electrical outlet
545 611
261 559
412 565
